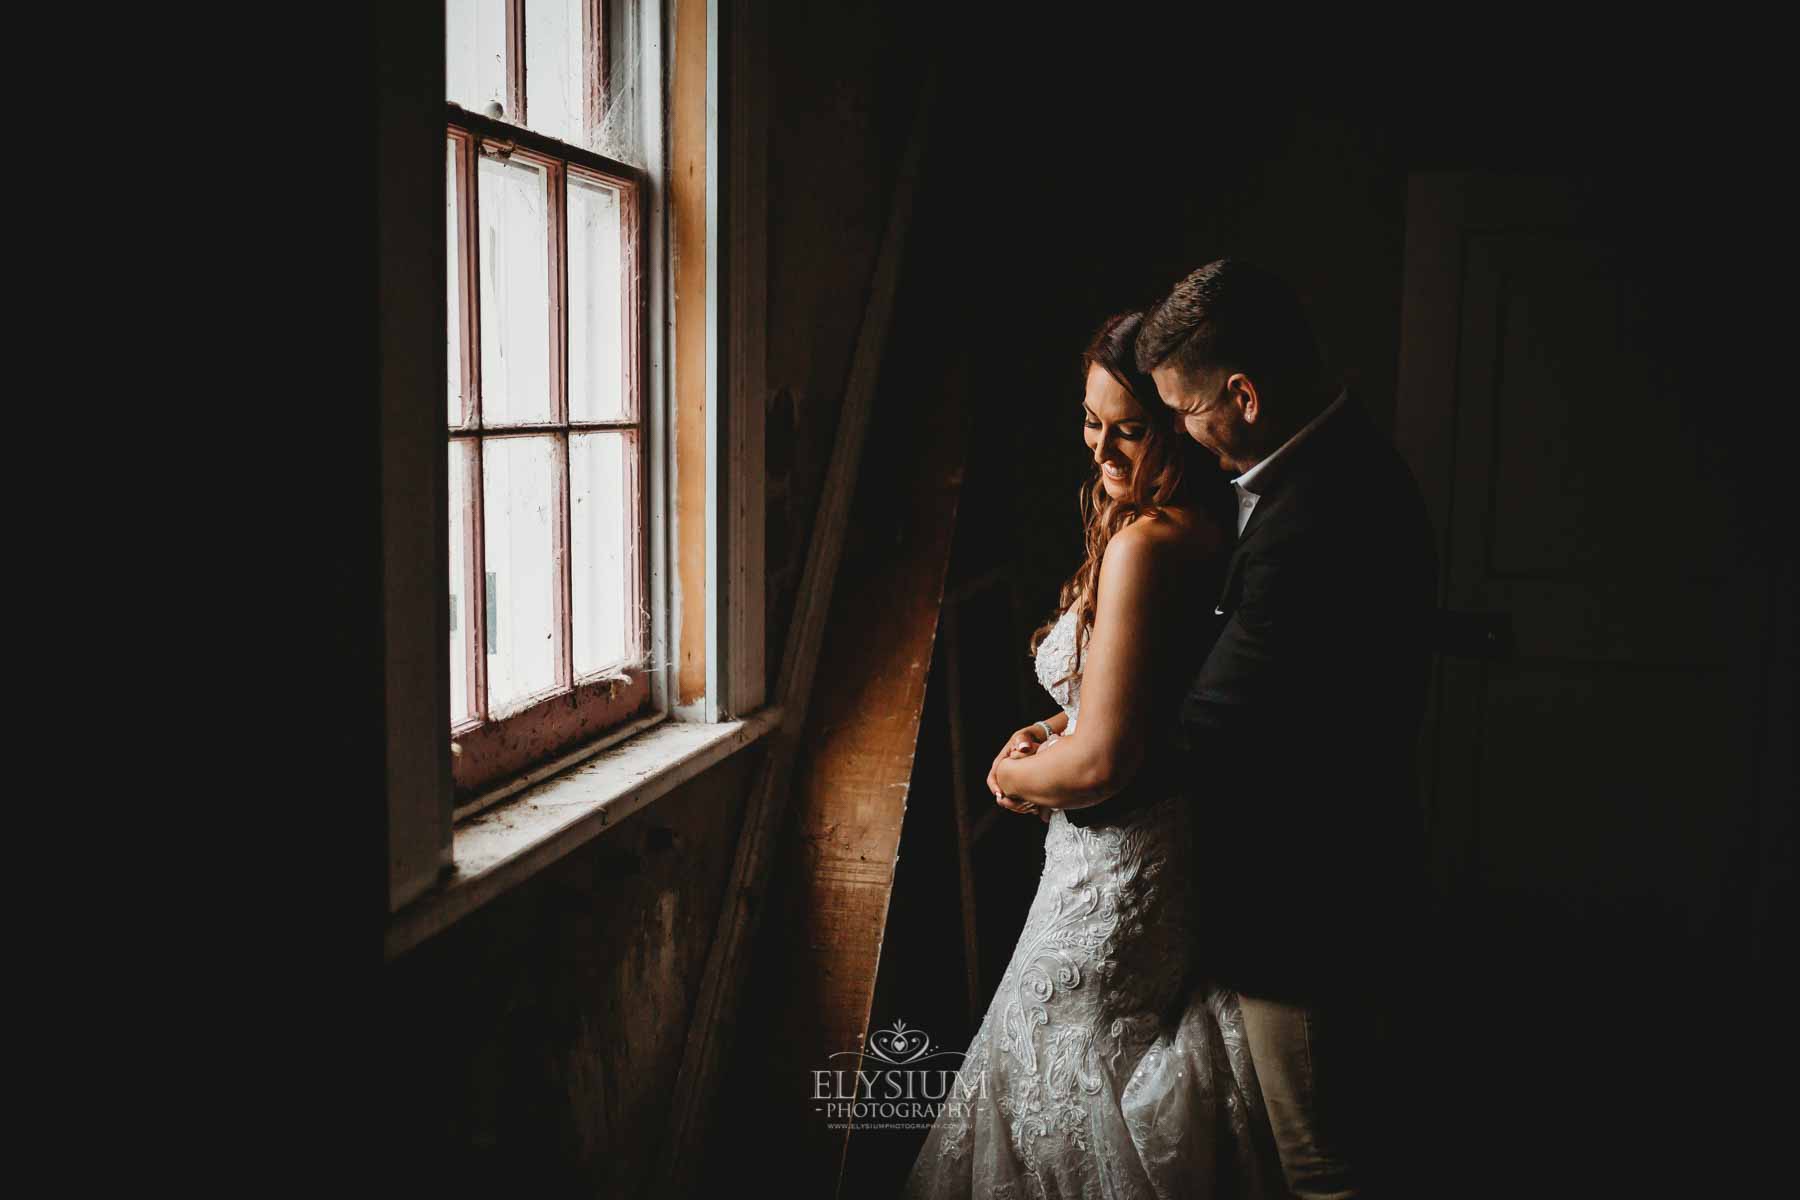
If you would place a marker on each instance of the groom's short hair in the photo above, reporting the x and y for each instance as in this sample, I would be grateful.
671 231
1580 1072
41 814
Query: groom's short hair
1234 315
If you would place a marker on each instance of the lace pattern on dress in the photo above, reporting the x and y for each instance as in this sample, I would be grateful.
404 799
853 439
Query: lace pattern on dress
1105 1065
1055 665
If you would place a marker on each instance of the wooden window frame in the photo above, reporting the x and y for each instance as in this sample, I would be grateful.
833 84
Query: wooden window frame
489 748
701 197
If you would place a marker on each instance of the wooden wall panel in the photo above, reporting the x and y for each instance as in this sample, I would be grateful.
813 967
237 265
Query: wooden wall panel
816 966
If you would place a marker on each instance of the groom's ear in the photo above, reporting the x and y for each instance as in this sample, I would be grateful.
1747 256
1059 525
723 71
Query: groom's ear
1241 390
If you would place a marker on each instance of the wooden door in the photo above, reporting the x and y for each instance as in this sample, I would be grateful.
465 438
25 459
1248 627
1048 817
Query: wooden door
1591 760
1604 763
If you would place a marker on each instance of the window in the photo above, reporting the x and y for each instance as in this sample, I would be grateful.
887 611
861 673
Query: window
549 617
572 477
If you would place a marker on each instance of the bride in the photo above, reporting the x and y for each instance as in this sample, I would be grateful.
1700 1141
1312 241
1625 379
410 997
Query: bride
1107 1065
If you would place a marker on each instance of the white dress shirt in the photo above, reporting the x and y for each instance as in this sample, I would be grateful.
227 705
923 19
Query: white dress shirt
1246 483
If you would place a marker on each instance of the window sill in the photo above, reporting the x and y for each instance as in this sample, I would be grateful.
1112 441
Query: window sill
507 843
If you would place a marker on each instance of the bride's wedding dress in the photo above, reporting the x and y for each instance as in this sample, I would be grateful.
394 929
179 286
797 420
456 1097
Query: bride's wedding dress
1106 1065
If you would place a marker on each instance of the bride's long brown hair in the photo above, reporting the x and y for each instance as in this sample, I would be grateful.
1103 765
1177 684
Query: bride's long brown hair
1164 473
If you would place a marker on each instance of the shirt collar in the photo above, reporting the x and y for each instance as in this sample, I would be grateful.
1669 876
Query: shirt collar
1246 483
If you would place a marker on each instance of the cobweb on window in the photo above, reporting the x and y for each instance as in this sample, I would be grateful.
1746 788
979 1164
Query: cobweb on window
620 132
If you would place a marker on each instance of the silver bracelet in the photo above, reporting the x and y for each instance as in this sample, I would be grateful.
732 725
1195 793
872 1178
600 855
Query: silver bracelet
1047 731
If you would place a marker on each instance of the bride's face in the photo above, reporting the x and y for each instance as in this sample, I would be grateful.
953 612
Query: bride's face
1114 426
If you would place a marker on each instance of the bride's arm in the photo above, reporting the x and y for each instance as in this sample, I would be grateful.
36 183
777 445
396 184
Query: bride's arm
1117 667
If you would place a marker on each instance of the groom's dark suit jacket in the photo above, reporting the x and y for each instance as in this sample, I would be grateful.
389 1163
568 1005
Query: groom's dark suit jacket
1301 726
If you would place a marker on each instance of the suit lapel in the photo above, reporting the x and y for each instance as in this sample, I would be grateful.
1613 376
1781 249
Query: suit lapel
1263 504
1235 570
1297 460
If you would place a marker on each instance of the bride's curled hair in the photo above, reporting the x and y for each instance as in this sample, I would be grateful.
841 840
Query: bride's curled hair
1171 468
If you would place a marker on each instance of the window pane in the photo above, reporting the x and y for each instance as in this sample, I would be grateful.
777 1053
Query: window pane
475 53
461 699
596 314
518 474
602 532
554 70
621 131
453 245
515 292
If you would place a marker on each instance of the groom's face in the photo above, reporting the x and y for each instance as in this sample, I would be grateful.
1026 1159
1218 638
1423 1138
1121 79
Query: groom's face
1210 410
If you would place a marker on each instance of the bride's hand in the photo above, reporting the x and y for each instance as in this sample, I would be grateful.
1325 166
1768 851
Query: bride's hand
1022 743
1014 804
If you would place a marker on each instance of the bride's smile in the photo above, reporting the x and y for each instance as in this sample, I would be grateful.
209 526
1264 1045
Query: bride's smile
1113 425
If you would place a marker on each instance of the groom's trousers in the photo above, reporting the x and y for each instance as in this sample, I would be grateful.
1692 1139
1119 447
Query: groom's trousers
1325 1070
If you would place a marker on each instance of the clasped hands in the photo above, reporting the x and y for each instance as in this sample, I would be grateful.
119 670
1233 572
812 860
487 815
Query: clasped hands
1023 743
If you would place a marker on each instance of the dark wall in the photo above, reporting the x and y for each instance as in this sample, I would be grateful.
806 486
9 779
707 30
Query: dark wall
843 81
533 1047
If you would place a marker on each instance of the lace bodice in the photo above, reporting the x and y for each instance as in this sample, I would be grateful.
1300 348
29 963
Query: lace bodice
1056 660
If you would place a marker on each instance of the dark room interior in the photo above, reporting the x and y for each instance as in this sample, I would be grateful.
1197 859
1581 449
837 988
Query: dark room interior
1536 263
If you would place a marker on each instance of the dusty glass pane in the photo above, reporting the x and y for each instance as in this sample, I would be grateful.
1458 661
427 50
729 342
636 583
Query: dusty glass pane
621 131
554 70
602 526
596 311
461 699
475 53
453 288
517 477
515 291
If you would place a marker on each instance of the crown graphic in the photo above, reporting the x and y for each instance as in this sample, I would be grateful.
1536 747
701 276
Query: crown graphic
898 1045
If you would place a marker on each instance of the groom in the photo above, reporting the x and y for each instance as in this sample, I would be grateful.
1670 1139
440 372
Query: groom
1301 724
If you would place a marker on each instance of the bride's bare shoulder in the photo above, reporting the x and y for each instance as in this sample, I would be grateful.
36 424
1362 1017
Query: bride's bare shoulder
1178 532
1169 547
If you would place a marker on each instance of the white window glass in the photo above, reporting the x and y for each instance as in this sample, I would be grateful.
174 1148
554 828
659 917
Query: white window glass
453 285
515 291
475 54
461 697
596 318
518 478
555 73
602 469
